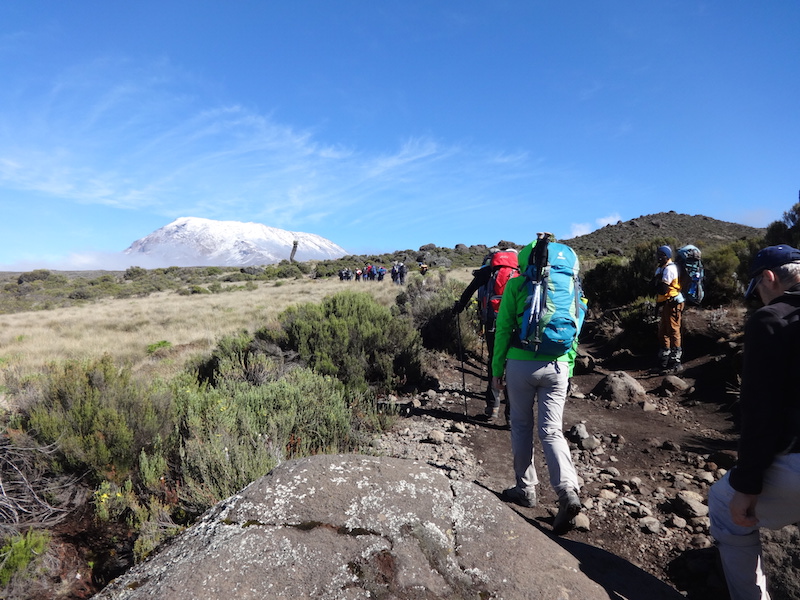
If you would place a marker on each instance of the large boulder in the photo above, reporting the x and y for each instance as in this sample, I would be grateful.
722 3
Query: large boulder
352 526
621 388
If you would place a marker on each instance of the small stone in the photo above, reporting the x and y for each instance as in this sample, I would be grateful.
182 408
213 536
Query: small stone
677 522
436 436
705 477
650 525
459 427
582 522
701 541
589 443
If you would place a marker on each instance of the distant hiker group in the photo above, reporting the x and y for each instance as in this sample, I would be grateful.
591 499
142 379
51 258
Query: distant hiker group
369 272
531 309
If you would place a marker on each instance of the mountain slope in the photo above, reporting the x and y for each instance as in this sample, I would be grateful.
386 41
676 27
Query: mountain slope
191 241
621 238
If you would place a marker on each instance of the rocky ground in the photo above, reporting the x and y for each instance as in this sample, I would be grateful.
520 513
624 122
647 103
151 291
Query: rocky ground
647 448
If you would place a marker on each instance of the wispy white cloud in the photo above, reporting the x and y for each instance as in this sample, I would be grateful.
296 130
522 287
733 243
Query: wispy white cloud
152 140
145 139
611 219
577 229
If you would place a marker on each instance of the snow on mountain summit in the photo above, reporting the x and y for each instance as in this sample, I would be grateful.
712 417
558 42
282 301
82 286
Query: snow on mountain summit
192 241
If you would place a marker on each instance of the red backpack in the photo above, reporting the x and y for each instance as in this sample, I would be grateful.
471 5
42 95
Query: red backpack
504 266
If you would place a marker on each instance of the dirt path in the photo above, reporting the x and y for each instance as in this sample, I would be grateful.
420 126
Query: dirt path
657 447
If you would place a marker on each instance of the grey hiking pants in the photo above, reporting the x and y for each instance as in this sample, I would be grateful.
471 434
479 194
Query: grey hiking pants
740 547
546 382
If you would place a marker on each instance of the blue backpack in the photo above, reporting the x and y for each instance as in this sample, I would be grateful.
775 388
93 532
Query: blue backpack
555 308
691 271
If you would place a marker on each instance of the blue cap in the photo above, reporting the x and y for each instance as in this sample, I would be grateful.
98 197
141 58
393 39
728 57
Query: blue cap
665 250
770 258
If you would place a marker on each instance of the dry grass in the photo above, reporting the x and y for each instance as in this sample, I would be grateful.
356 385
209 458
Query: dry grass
191 324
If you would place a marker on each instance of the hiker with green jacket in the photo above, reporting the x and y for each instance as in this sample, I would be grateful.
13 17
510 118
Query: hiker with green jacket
531 377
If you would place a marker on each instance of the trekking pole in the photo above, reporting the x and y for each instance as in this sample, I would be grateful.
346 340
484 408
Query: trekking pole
461 355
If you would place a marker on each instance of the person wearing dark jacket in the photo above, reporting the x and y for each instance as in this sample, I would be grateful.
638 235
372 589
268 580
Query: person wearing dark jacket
481 278
763 488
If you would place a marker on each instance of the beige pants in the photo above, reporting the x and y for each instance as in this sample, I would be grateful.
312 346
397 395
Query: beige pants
669 327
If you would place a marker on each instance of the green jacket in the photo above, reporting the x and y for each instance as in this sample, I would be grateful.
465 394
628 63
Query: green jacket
509 320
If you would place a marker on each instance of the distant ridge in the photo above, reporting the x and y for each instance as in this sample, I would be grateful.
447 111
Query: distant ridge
196 242
622 237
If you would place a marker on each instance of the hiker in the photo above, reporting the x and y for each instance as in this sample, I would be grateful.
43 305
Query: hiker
669 305
533 376
763 488
401 273
489 281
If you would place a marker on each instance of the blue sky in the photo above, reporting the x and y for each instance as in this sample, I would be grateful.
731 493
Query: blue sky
386 124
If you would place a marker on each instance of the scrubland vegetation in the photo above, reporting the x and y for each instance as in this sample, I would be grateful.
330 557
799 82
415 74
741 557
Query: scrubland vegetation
157 407
155 394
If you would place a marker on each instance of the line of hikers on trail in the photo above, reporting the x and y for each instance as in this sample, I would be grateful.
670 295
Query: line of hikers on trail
531 309
372 272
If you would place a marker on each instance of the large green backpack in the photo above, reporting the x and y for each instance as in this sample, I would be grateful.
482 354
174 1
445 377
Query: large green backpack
555 308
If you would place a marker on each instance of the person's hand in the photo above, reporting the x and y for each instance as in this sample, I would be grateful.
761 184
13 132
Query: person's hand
743 509
497 383
457 308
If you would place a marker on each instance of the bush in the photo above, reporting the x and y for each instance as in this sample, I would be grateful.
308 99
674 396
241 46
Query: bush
608 283
352 337
150 520
133 273
721 280
429 302
786 230
235 432
36 275
98 416
19 551
160 345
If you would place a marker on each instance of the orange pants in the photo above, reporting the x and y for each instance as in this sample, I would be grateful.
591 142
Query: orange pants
669 327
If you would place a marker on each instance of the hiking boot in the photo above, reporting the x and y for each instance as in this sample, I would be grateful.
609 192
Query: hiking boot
489 415
569 505
517 496
674 364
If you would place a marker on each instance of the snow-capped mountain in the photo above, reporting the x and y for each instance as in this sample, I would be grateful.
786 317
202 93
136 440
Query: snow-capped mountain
191 241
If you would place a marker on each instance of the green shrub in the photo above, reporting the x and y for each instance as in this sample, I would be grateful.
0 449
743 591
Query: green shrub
236 357
36 275
352 337
150 520
235 432
429 302
608 283
638 324
284 270
786 230
135 273
161 345
18 552
99 417
721 282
